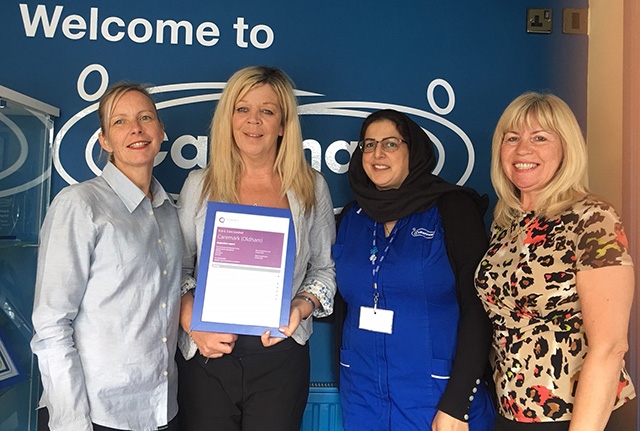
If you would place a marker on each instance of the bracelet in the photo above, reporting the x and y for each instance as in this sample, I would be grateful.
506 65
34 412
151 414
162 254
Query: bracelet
309 300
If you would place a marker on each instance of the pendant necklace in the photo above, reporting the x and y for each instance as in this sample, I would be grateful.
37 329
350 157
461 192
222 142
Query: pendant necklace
515 231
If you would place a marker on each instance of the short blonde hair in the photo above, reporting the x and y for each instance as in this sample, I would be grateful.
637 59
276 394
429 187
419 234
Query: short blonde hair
225 163
110 99
568 185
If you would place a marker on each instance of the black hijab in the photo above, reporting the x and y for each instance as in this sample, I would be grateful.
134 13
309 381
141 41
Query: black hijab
419 191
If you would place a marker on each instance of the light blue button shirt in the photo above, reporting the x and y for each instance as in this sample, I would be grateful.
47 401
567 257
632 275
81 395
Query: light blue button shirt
107 305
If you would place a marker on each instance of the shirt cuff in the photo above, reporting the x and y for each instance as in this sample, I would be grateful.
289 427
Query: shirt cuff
187 284
324 295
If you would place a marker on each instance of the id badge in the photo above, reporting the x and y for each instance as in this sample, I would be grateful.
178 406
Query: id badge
376 320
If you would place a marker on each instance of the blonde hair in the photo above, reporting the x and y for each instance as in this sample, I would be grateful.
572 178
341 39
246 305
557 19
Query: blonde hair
569 183
225 163
110 99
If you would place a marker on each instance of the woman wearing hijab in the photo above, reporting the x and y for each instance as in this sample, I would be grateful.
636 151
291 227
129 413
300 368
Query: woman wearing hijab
415 339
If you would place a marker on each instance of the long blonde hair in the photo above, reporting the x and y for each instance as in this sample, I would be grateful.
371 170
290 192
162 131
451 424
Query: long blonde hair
225 163
568 185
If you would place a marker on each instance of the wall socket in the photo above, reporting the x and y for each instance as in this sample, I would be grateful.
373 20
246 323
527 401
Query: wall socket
539 20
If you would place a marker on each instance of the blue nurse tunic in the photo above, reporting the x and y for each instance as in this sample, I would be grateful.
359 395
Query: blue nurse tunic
395 381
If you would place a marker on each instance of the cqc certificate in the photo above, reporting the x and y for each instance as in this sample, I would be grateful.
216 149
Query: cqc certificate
245 273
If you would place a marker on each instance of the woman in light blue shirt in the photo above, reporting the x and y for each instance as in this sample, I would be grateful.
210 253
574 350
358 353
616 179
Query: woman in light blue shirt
107 288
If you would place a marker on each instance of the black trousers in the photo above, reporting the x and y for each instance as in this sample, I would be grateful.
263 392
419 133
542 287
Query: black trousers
622 419
257 391
43 423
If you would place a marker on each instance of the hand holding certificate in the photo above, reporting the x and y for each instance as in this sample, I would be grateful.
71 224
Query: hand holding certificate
245 273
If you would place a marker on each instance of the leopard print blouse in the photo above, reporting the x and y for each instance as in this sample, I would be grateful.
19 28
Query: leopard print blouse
527 283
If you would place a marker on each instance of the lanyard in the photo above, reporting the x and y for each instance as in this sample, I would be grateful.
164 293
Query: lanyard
377 263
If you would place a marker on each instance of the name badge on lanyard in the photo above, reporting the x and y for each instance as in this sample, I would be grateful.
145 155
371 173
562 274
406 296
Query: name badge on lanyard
376 320
373 318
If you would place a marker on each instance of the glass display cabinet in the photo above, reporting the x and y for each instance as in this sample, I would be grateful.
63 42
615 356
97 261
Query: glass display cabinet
26 136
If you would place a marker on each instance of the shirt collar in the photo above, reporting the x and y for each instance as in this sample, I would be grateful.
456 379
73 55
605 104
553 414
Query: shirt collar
159 194
130 195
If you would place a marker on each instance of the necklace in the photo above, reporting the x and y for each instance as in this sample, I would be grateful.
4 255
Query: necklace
521 226
387 229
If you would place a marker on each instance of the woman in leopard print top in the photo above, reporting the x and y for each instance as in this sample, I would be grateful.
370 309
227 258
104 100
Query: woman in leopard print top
557 280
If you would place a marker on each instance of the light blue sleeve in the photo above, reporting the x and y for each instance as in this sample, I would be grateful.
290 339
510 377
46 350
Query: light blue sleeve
64 260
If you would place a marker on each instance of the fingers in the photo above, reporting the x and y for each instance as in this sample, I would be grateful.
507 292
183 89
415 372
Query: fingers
268 340
214 344
295 317
299 308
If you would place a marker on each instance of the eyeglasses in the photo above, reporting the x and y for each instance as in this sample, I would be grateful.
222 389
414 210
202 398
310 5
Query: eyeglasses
389 145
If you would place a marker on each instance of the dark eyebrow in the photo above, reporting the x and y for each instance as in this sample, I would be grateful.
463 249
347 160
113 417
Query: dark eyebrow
386 137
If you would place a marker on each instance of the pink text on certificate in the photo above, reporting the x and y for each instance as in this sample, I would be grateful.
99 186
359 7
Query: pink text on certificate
248 247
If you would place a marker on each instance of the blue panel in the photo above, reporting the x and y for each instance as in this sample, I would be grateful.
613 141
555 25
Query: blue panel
323 373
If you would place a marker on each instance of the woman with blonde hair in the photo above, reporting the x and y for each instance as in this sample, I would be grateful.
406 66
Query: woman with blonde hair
241 382
569 183
107 298
557 280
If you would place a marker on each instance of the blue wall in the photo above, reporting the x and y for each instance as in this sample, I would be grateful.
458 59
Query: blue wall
360 52
346 57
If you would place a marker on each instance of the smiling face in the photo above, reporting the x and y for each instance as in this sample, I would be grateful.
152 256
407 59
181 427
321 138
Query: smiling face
257 122
133 133
386 170
530 159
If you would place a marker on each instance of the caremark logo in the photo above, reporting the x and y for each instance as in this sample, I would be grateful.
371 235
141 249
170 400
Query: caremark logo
423 233
188 151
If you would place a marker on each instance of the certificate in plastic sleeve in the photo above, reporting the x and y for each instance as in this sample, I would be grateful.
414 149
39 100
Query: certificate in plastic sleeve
245 274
